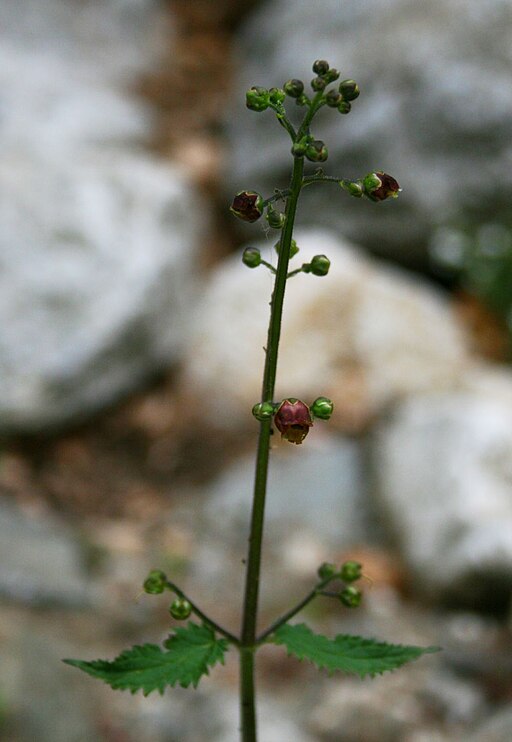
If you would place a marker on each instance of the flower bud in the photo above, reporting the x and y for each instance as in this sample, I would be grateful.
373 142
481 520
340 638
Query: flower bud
293 248
316 151
299 148
155 583
333 98
331 75
344 106
302 100
180 609
320 67
257 99
251 257
276 96
247 205
293 420
379 186
326 570
349 89
351 571
318 83
274 218
294 88
354 187
351 597
319 265
263 411
322 408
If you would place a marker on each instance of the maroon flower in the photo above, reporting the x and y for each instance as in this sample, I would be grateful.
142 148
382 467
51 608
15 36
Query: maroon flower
379 186
247 205
293 420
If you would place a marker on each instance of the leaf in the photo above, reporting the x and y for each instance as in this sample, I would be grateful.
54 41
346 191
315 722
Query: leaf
191 651
349 654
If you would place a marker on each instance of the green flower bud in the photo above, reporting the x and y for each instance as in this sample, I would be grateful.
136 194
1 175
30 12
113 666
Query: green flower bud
331 75
293 248
318 83
276 96
333 98
354 187
299 148
257 99
379 186
320 265
263 411
316 151
247 206
349 89
294 88
302 100
326 570
322 408
155 583
180 609
251 257
320 67
344 106
274 218
351 597
293 420
351 571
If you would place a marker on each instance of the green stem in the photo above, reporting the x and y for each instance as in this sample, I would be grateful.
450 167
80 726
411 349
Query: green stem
250 609
204 618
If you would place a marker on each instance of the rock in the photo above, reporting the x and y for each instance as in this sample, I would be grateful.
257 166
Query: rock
432 87
364 335
98 247
40 561
442 470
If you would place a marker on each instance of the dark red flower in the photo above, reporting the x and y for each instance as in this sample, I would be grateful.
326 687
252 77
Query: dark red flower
379 186
247 205
293 420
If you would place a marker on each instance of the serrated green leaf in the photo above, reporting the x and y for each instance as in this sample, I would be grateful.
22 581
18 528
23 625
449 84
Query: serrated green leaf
190 652
349 654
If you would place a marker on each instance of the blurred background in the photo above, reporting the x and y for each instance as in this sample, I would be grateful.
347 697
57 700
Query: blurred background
131 352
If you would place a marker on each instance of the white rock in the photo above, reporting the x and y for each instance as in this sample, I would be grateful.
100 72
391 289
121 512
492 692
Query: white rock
434 109
97 259
443 469
394 334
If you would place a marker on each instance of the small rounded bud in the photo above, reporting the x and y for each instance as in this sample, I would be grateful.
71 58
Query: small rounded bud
251 257
294 88
326 570
351 597
293 248
320 67
344 106
299 148
263 411
320 265
379 186
331 75
274 218
247 205
302 100
155 583
351 571
276 96
349 89
316 151
354 187
322 408
333 99
318 83
180 609
293 420
257 99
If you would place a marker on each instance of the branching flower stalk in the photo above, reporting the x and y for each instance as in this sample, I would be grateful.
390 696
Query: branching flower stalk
191 651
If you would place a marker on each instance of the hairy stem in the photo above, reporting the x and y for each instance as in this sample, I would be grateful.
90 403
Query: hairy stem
250 609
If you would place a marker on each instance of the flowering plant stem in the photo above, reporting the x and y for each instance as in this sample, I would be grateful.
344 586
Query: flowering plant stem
250 609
